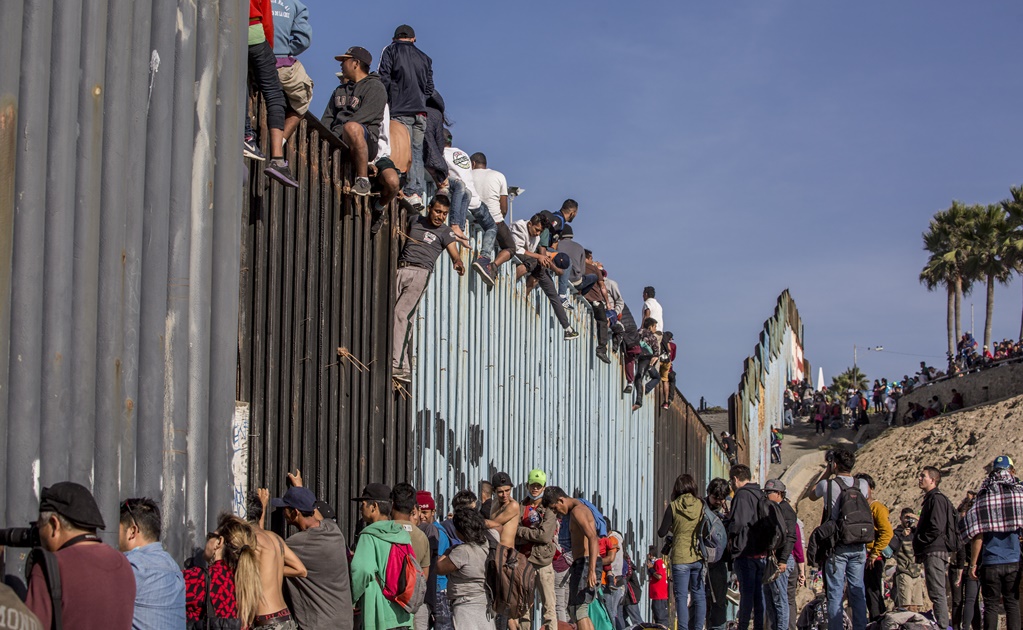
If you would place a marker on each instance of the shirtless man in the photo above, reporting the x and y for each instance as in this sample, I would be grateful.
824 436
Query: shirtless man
276 562
585 550
504 522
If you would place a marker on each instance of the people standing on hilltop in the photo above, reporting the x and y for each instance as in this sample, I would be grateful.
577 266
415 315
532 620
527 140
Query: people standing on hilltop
935 537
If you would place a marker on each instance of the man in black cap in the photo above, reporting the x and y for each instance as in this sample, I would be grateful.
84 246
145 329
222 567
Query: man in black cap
407 74
96 581
355 111
323 598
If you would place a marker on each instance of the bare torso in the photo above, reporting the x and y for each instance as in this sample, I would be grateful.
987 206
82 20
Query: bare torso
507 519
580 544
270 551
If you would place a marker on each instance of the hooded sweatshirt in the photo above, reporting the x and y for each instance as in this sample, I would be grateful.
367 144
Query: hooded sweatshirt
683 518
368 566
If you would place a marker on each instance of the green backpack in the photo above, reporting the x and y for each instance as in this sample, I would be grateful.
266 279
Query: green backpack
598 613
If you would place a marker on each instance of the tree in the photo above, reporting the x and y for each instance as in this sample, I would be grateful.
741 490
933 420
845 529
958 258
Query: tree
986 258
1014 235
852 378
947 241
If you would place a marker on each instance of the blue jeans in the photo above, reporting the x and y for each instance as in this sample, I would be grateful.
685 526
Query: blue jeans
486 222
459 202
417 174
844 572
688 580
750 572
776 595
613 603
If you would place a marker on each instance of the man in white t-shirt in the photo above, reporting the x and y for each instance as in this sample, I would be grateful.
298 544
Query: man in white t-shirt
652 308
492 188
526 235
464 199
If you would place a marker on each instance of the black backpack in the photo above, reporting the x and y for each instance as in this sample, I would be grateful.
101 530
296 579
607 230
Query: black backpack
855 521
767 533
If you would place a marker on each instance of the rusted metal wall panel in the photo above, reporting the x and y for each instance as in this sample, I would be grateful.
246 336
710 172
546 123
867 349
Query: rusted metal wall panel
120 171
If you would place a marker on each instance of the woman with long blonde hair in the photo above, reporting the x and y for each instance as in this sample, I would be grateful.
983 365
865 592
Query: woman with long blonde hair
233 569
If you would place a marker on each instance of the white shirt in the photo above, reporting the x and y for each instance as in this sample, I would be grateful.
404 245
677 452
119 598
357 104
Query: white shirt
618 564
523 241
384 143
614 295
656 312
889 403
460 167
491 186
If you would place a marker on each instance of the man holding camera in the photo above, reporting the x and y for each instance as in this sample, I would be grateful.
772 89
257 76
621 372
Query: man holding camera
843 571
96 582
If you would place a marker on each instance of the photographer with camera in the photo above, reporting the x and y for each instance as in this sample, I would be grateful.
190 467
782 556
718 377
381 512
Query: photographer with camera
76 579
845 504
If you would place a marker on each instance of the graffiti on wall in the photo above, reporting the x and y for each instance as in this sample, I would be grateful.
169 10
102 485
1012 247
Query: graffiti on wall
239 457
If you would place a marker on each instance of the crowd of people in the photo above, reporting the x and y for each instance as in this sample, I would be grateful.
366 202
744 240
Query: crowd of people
397 109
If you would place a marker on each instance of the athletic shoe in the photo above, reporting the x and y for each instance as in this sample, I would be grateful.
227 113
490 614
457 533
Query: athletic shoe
279 170
628 389
250 149
416 201
602 355
665 406
361 187
493 271
401 375
482 267
570 333
567 304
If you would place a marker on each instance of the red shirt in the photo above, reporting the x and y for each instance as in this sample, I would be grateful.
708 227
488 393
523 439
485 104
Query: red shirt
261 13
659 588
221 592
98 589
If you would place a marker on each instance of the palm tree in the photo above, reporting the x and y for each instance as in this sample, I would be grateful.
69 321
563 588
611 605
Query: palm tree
852 378
947 241
986 257
1014 235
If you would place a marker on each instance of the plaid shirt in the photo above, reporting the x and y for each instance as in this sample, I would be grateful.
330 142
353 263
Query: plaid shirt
998 508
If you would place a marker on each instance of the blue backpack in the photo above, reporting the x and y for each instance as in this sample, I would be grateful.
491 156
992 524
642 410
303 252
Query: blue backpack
713 537
598 519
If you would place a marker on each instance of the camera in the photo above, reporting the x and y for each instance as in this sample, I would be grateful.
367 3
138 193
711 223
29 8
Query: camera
20 537
829 456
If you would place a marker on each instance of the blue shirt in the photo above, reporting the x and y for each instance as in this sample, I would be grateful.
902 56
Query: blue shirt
292 32
443 544
1000 548
159 589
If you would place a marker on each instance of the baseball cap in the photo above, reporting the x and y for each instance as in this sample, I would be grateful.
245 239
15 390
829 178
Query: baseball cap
74 502
537 476
562 261
566 231
774 485
298 498
501 479
357 52
425 500
404 32
1002 462
374 492
325 510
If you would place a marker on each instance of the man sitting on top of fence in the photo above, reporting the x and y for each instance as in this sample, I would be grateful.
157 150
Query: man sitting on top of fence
355 111
427 237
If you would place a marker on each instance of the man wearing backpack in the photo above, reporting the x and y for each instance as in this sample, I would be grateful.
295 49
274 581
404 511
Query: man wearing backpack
776 591
846 504
371 559
745 543
936 535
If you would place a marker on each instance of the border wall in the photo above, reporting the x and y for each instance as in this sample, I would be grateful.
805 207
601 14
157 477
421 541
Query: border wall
758 404
497 388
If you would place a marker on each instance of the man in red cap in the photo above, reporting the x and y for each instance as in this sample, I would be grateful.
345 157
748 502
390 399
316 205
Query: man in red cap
436 592
96 580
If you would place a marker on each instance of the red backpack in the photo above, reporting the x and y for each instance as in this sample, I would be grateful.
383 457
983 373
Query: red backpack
404 582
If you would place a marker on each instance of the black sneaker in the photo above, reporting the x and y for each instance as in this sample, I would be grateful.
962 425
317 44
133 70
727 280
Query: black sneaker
482 267
570 333
602 355
279 170
250 149
361 187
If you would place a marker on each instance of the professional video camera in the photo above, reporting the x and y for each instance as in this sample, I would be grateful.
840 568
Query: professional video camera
20 537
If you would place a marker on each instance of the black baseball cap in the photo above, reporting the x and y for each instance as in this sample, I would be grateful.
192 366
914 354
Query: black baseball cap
299 498
357 52
325 510
501 479
404 32
566 231
374 492
74 502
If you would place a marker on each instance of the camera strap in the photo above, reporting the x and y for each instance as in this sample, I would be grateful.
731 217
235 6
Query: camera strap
78 539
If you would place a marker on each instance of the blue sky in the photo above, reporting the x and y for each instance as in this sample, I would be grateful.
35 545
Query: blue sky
725 151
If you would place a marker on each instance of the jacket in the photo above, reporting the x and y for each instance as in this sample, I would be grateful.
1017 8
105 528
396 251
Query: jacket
683 518
577 254
261 13
361 102
744 513
789 516
292 32
882 529
935 518
433 141
541 538
407 74
367 568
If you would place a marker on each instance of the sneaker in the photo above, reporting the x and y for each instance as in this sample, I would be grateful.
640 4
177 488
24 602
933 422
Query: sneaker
415 201
567 304
482 267
493 271
628 389
570 333
602 355
361 187
250 149
401 375
279 170
665 406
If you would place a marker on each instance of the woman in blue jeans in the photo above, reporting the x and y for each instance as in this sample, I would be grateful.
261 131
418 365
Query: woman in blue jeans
683 519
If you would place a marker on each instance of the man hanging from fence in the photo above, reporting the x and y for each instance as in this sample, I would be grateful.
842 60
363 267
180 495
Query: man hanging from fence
427 237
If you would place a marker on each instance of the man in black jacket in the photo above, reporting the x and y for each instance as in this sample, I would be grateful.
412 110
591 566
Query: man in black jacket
931 544
776 592
355 111
749 563
407 74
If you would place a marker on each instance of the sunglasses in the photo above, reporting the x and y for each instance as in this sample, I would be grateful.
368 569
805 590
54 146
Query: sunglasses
127 505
